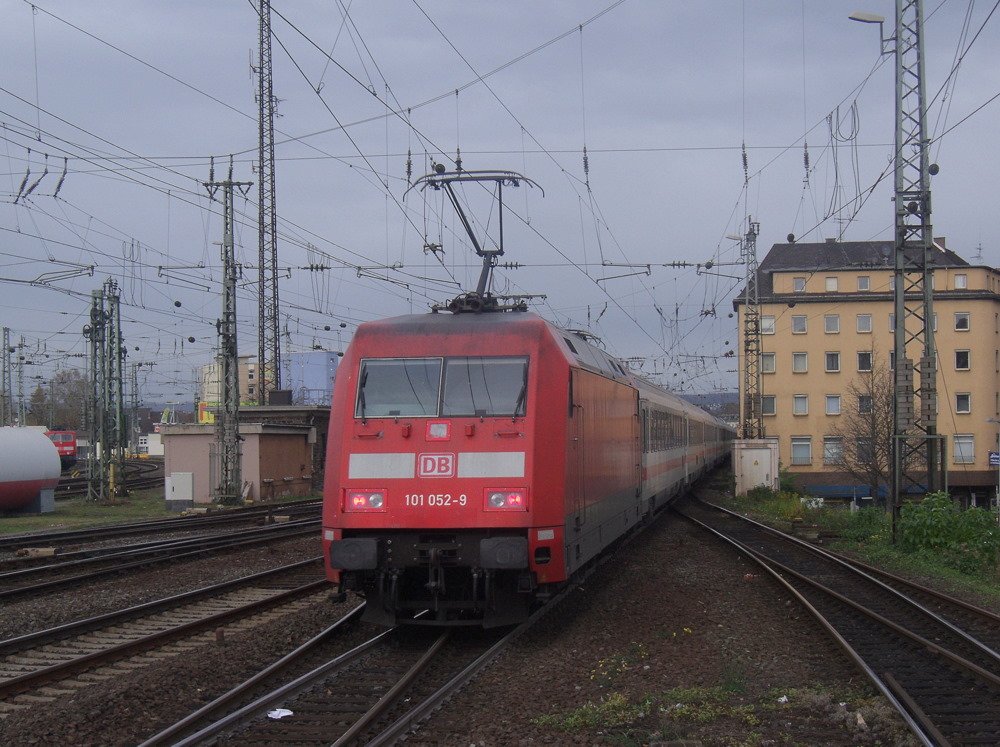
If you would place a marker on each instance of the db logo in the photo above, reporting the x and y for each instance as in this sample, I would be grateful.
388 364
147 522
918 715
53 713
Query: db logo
436 465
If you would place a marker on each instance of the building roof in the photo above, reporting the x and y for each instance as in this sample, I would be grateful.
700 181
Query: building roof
839 255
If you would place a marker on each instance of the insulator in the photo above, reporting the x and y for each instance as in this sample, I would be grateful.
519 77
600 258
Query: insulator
805 156
409 166
586 162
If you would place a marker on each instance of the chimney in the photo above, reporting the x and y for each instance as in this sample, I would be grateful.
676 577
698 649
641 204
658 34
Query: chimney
940 241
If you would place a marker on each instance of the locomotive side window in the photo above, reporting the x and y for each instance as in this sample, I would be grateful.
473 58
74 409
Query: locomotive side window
484 386
405 387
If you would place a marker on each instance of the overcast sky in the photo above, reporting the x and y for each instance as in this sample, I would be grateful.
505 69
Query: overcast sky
138 95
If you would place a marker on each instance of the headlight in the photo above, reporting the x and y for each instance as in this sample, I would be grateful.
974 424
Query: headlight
506 499
364 500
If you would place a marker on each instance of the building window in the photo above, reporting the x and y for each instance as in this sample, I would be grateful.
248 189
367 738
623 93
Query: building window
250 390
831 285
800 404
864 360
799 285
962 321
961 360
833 404
864 323
892 360
800 362
864 404
831 324
767 363
833 450
864 282
892 322
892 282
250 375
767 404
767 325
802 450
798 325
863 449
963 402
832 362
964 448
961 282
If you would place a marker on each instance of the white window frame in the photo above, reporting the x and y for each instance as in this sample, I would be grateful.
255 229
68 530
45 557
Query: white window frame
804 357
963 448
768 399
864 282
892 322
831 324
826 361
963 403
961 316
831 455
831 284
800 441
797 400
864 327
833 404
870 360
968 360
798 285
961 281
805 324
870 401
764 367
767 325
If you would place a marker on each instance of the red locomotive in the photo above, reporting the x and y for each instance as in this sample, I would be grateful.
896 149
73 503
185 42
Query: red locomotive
476 460
65 442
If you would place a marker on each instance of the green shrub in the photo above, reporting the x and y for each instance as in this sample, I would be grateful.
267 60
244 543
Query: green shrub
866 524
968 540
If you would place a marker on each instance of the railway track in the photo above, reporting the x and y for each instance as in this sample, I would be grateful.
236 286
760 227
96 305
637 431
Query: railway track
60 661
72 570
373 694
228 517
934 658
139 475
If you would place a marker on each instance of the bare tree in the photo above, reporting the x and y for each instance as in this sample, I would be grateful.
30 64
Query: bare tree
59 405
865 428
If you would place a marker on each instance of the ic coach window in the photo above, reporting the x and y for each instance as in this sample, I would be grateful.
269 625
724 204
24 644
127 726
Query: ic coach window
442 387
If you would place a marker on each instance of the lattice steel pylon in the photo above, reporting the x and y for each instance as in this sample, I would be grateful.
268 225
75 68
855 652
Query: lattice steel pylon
268 340
228 487
6 383
752 417
918 463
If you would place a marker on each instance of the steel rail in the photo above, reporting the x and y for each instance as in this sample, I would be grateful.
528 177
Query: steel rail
227 699
33 679
77 627
914 725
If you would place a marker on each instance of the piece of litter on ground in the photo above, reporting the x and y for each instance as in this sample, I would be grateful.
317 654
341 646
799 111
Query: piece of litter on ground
278 713
783 699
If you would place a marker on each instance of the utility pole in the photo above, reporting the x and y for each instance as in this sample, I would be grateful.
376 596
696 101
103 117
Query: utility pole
97 454
915 437
21 410
115 383
228 489
6 389
752 422
268 341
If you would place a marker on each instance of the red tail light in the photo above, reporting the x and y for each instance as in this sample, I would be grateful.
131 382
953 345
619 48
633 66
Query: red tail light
364 500
505 499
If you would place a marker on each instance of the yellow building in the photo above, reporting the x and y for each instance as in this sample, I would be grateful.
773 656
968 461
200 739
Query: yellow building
827 334
210 385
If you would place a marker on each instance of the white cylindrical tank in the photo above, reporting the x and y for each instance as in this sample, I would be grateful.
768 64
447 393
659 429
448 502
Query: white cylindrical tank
29 463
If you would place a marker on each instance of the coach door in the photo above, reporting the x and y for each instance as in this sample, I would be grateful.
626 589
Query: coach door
687 450
578 451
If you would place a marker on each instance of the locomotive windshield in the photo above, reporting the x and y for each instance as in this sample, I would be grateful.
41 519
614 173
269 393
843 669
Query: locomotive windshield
484 386
413 387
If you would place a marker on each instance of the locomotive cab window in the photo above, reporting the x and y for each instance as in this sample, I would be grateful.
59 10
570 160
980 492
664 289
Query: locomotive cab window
405 387
484 386
415 387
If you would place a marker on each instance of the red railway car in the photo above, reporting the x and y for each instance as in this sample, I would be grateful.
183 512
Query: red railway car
475 461
65 442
